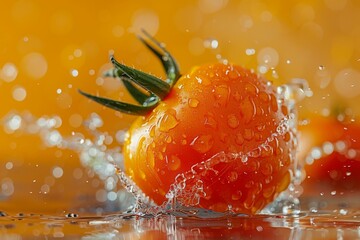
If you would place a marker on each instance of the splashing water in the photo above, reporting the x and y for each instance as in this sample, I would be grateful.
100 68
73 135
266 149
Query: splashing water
187 189
93 153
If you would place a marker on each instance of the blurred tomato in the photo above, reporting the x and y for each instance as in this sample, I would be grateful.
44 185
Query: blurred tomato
332 157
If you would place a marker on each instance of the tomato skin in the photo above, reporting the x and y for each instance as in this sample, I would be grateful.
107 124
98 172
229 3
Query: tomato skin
336 171
215 108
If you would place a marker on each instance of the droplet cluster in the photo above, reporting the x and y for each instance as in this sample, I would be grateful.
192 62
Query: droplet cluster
94 154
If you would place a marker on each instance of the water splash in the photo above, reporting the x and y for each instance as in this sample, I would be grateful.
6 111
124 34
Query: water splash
94 153
188 187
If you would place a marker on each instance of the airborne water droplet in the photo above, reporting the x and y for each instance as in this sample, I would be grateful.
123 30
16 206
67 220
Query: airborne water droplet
211 43
71 215
8 72
2 214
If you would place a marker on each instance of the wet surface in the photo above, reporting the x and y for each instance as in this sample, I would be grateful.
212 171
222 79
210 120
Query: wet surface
326 225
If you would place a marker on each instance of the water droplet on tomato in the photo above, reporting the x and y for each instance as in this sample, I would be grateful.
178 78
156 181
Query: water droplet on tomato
237 96
174 163
248 134
210 121
160 156
269 191
334 174
232 176
223 137
284 110
233 74
193 102
250 200
142 174
251 89
222 94
168 139
258 137
273 103
203 143
163 149
152 131
287 136
266 169
204 81
264 97
236 196
247 109
150 158
255 153
233 121
239 139
268 179
167 122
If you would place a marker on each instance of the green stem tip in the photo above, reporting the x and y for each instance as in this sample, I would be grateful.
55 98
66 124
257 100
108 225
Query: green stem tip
146 89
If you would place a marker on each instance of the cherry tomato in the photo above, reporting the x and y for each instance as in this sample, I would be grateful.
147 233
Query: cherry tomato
218 132
332 159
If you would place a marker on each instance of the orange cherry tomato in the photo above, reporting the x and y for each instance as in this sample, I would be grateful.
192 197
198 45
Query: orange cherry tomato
218 137
215 108
332 162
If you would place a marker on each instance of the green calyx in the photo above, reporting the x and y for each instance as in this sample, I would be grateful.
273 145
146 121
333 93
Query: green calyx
146 89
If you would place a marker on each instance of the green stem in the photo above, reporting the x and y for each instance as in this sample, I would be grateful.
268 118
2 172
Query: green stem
121 106
152 84
167 60
135 92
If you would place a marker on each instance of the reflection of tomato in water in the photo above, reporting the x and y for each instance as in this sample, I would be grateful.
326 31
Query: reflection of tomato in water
332 160
188 228
215 108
